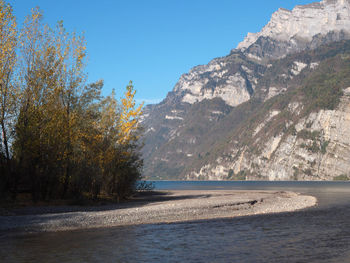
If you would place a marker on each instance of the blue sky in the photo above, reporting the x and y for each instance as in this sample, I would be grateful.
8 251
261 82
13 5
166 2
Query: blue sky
153 42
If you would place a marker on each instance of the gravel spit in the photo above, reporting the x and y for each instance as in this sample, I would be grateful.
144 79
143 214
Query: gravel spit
159 207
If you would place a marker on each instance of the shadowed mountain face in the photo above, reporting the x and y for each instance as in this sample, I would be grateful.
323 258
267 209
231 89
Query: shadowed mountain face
230 118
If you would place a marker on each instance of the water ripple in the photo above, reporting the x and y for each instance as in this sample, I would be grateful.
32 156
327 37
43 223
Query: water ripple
319 234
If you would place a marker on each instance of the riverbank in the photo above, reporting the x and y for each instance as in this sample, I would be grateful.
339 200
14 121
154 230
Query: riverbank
158 207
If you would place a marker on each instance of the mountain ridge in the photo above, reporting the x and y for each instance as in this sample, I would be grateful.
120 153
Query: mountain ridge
219 91
304 22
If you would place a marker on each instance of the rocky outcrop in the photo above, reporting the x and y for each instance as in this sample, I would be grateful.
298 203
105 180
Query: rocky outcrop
318 150
303 23
232 79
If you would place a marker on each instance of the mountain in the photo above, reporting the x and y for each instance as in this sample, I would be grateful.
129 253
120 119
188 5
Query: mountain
275 108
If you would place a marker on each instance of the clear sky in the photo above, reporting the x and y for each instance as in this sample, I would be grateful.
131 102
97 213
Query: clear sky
153 42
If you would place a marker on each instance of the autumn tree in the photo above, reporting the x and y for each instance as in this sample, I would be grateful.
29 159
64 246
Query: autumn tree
129 161
72 80
8 91
68 141
50 78
117 143
129 120
89 153
39 71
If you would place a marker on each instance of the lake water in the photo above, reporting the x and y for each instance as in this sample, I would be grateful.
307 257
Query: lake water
318 234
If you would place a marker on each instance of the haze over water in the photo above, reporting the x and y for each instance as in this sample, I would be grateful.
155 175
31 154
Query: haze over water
318 234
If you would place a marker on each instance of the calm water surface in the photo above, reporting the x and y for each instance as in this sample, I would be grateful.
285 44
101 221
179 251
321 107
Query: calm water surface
319 234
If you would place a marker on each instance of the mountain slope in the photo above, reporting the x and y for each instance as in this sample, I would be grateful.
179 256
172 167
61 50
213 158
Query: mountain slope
301 134
190 133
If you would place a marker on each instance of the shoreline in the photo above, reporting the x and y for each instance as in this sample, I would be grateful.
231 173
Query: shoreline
159 207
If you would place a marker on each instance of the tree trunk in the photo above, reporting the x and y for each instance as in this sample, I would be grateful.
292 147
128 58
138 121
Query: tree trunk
68 149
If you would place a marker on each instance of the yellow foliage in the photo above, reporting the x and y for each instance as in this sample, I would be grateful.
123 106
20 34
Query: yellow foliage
63 129
8 89
129 116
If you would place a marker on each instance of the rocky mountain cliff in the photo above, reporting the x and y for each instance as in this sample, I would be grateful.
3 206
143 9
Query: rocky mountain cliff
213 124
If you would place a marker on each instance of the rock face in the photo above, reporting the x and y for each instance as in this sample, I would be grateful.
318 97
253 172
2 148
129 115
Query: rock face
304 22
288 31
231 78
212 101
323 153
232 88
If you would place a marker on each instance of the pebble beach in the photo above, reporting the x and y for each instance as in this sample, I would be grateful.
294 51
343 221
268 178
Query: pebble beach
155 208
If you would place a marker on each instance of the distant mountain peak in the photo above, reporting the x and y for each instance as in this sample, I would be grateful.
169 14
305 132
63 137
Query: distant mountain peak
304 22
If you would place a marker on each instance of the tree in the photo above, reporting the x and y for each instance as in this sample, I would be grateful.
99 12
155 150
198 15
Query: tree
68 141
119 157
51 78
38 78
72 80
87 175
8 91
129 117
129 159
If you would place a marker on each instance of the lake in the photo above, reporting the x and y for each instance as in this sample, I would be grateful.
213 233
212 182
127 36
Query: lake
318 234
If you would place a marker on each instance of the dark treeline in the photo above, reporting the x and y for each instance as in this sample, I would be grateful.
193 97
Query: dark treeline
59 137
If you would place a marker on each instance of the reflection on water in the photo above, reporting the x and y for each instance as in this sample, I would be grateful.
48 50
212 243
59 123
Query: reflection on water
319 234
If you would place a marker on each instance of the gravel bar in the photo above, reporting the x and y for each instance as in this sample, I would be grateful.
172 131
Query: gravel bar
158 207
